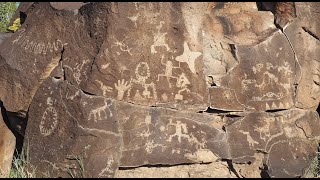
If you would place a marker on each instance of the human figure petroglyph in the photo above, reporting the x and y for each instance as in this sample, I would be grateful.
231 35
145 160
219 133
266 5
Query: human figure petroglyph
181 131
121 86
142 73
182 84
77 70
104 88
97 114
159 39
123 47
168 71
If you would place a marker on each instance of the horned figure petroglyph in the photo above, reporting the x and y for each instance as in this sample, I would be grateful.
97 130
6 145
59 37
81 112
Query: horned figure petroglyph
97 114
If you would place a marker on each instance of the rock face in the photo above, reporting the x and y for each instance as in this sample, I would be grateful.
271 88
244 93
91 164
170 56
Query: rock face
7 147
230 89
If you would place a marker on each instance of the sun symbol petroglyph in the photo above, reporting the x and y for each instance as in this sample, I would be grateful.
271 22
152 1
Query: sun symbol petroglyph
49 121
189 57
122 86
101 112
227 95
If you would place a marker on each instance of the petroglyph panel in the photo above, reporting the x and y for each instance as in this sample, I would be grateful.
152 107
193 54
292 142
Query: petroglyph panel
282 136
224 99
264 78
307 48
74 123
162 136
164 70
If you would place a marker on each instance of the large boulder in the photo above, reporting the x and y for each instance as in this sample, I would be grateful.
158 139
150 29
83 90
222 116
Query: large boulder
7 147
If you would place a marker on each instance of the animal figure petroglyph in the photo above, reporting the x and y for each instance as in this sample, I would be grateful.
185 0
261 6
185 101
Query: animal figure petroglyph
101 112
104 88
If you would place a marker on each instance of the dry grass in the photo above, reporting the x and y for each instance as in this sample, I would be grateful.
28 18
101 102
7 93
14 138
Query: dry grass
313 171
20 165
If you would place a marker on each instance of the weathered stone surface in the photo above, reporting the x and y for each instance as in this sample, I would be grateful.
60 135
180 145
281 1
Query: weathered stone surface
212 170
163 136
110 133
304 37
4 36
27 59
145 84
261 81
67 5
7 147
75 124
287 138
150 57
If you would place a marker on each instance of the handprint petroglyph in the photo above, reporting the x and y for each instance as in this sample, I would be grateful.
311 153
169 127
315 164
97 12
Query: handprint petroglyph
121 86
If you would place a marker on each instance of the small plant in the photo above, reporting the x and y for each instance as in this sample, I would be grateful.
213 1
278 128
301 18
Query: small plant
20 165
7 10
79 160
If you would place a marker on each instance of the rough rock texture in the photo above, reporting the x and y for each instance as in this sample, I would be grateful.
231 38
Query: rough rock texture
112 87
214 169
7 147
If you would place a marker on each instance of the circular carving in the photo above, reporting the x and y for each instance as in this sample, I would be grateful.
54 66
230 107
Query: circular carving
49 121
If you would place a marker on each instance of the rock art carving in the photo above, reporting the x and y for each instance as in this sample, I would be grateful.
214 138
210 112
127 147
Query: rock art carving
49 119
101 113
121 86
189 57
142 73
